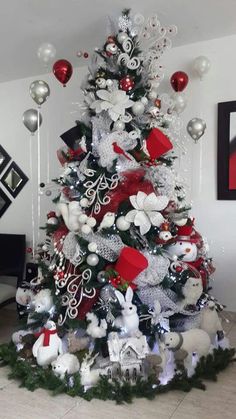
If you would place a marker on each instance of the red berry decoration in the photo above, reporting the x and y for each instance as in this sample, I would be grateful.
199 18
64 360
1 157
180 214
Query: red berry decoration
179 81
127 83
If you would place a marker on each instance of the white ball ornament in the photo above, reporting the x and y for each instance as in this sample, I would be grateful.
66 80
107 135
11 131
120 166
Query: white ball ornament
122 224
138 108
91 221
83 218
92 247
84 202
119 126
92 259
86 229
121 37
152 95
109 83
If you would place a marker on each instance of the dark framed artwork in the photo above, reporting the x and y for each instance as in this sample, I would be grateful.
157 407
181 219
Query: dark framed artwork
4 202
4 158
226 155
14 179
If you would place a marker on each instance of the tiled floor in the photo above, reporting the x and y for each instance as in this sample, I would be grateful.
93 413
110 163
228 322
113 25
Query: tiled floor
219 401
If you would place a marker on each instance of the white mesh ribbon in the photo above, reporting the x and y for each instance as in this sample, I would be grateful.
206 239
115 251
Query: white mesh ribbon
105 147
72 250
156 271
108 248
167 299
163 180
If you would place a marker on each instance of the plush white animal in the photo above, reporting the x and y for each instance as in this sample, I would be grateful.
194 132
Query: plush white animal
70 213
89 377
210 321
65 364
48 345
94 329
187 251
192 291
24 296
192 341
17 337
43 301
129 321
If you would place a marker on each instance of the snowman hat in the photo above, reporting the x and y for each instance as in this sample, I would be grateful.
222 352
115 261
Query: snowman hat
187 233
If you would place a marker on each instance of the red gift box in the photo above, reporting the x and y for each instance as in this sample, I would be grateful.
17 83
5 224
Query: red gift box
157 144
130 263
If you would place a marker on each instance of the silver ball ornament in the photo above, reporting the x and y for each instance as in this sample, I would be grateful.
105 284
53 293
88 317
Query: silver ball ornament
138 108
121 37
101 277
119 126
48 193
107 294
92 259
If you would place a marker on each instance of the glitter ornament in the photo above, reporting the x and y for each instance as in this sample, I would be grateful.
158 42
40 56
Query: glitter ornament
127 83
101 277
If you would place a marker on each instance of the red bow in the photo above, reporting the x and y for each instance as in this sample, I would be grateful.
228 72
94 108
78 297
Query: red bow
47 333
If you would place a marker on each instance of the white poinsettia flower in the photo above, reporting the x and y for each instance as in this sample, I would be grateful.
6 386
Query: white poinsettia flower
147 210
115 102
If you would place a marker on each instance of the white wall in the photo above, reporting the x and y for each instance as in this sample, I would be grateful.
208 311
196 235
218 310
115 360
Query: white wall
15 138
214 219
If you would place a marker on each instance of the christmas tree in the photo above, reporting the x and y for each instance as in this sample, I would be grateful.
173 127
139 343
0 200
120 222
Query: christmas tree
121 304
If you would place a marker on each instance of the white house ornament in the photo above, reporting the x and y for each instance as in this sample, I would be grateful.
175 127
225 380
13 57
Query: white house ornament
48 345
147 210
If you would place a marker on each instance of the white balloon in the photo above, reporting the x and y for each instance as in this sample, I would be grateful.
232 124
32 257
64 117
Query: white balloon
201 65
180 102
46 53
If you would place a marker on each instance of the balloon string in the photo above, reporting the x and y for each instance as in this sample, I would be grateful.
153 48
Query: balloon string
39 197
32 194
48 159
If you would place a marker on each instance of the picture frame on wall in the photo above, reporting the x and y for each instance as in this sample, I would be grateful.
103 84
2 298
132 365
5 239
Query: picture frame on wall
226 153
14 179
4 158
5 202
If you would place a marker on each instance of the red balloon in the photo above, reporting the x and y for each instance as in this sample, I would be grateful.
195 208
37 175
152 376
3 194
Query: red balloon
63 71
179 81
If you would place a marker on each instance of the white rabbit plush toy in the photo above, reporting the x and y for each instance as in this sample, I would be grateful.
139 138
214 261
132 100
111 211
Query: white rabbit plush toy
129 321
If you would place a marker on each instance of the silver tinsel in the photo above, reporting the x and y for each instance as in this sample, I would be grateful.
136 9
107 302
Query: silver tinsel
156 271
108 248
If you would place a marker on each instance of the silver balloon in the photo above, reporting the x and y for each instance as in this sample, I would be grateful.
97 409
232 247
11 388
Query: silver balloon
46 53
201 65
39 91
32 119
180 102
196 128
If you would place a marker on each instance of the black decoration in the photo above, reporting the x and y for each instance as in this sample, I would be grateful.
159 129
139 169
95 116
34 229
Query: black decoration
14 191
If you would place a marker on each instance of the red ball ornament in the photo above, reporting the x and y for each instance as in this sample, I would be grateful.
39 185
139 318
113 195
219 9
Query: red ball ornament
86 55
179 81
127 83
62 69
29 250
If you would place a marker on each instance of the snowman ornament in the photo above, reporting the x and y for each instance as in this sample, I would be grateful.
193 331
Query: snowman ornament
48 345
185 245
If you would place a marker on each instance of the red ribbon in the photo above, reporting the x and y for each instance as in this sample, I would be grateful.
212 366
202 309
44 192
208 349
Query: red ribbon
47 333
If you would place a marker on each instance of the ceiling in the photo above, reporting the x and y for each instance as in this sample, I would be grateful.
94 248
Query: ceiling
73 25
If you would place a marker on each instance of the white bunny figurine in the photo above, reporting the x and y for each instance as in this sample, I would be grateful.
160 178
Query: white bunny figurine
129 321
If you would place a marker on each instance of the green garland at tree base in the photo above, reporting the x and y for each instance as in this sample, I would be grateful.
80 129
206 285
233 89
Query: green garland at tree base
33 377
